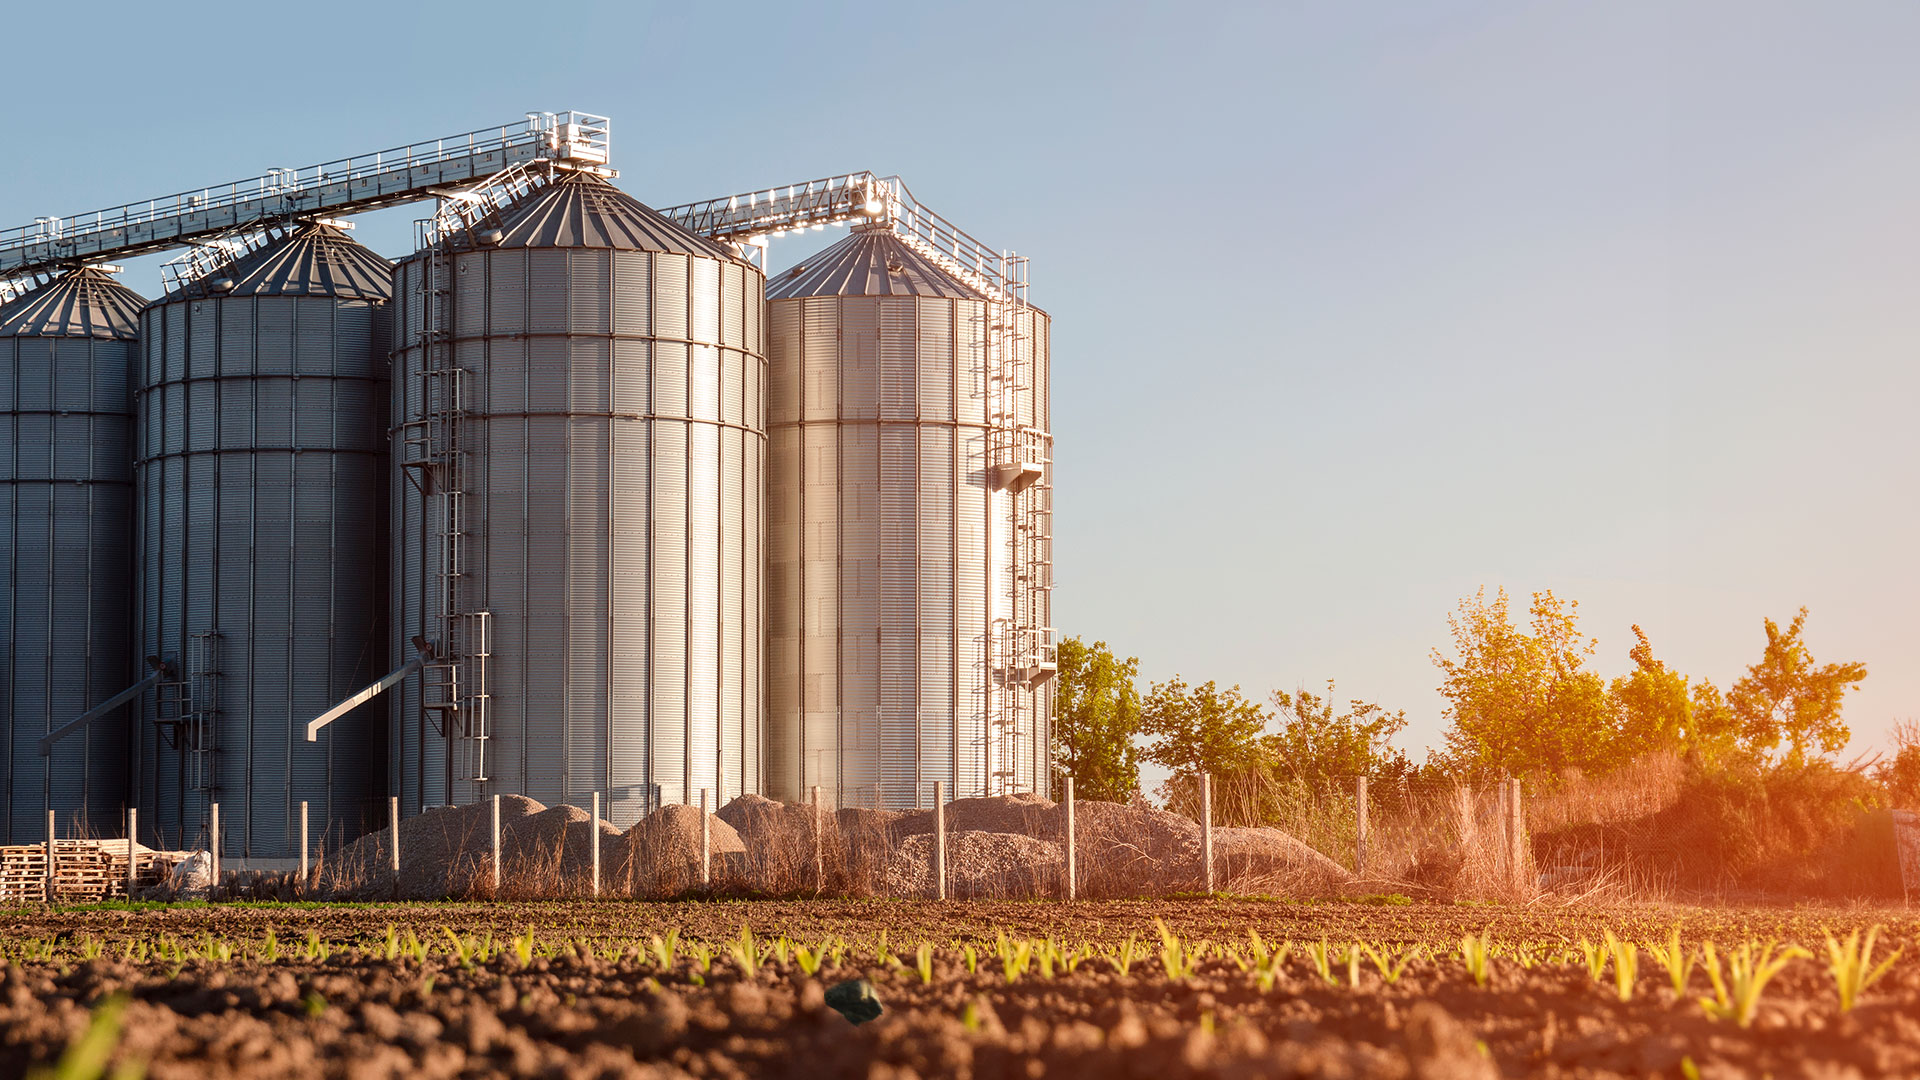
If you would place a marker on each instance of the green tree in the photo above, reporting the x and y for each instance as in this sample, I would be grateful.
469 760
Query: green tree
1523 702
1096 718
1202 728
1315 746
1787 697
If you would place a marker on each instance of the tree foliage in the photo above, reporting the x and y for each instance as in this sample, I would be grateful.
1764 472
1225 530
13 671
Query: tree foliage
1096 717
1315 746
1523 702
1201 728
1789 698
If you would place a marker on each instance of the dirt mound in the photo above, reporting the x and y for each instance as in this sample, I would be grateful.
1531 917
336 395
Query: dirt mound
660 856
1269 860
866 847
448 852
1025 814
980 866
780 844
1127 850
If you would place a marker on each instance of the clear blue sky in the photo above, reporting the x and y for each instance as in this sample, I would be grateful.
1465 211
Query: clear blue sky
1357 307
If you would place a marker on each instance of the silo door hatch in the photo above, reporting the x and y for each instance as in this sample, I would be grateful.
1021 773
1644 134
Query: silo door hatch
1017 476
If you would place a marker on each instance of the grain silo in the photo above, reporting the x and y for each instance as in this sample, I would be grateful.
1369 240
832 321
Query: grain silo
908 530
66 361
262 475
580 425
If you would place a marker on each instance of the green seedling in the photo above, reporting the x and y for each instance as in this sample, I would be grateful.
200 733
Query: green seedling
1321 953
1674 959
523 947
1626 965
1478 956
1269 964
85 1058
923 962
882 954
808 960
1353 963
1173 955
702 954
1014 958
1736 996
390 946
1596 958
1389 964
317 951
1852 967
1123 956
746 955
666 949
971 956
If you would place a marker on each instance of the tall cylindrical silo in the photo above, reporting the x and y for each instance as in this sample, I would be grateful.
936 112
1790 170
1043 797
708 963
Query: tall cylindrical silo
904 573
581 433
262 476
66 361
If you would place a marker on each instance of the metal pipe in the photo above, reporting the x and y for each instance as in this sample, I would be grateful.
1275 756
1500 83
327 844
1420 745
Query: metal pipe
940 839
47 741
421 658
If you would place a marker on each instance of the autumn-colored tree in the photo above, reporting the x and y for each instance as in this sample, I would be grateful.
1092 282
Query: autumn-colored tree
1520 702
1202 728
1096 717
1789 698
1315 746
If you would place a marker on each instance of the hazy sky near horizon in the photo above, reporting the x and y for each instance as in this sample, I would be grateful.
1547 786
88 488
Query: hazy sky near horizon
1357 307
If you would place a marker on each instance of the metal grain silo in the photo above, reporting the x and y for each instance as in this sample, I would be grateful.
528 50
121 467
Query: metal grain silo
66 360
906 572
262 477
578 394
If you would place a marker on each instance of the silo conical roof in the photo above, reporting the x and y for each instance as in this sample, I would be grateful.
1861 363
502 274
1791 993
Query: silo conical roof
312 260
584 210
83 302
871 262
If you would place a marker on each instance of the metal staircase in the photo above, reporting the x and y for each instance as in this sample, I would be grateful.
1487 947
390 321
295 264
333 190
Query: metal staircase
188 711
454 691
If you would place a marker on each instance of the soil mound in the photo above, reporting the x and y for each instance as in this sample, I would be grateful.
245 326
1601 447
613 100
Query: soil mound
1127 850
660 856
780 844
866 848
448 852
1024 814
980 866
1269 860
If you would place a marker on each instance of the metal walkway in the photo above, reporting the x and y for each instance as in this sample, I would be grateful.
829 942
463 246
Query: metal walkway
350 186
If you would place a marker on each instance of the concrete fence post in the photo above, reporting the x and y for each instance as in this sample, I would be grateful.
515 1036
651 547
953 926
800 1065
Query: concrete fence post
303 843
706 844
1206 828
50 858
1073 878
940 839
133 830
496 846
594 824
213 847
819 853
1516 838
1360 827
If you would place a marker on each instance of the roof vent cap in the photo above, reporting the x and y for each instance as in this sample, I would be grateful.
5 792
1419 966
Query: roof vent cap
221 284
490 237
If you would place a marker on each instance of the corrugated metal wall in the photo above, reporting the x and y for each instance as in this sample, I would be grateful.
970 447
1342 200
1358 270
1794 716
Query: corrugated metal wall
881 576
617 441
66 419
262 473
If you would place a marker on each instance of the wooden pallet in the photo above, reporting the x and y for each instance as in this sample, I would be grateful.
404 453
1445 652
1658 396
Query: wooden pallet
83 870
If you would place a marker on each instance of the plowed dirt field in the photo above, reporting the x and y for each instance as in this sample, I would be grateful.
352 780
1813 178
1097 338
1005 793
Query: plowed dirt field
585 989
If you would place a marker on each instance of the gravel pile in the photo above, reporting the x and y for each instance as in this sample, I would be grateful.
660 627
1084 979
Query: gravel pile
1269 860
660 856
980 866
779 839
1127 850
1026 815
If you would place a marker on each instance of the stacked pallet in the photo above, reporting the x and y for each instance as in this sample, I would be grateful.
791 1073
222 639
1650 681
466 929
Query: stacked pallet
83 870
